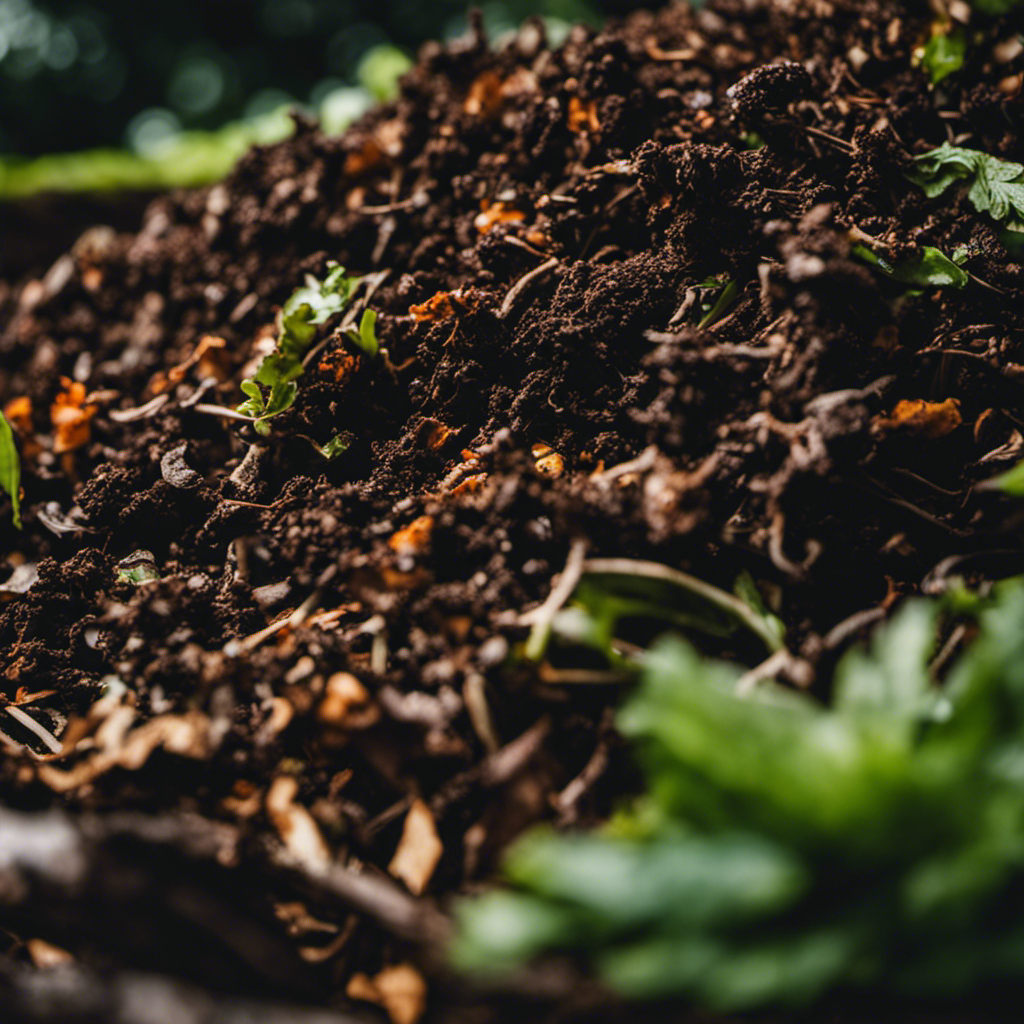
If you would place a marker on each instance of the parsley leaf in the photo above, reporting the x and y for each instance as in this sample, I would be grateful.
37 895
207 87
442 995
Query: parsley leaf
10 469
304 311
997 186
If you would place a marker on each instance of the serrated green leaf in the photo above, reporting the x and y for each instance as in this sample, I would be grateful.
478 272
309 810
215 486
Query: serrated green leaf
996 186
10 469
302 313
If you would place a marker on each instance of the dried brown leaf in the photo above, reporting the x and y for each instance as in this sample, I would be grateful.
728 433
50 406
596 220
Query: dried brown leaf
400 990
419 849
295 825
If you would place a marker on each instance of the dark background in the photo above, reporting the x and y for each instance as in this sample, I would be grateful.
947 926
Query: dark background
75 75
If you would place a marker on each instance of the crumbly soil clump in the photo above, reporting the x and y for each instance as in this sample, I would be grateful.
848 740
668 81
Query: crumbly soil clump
314 724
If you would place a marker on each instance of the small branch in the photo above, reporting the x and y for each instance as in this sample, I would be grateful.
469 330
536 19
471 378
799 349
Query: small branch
53 744
520 286
542 617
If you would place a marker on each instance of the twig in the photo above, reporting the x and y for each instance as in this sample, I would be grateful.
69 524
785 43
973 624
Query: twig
781 661
53 744
834 139
373 895
520 286
542 617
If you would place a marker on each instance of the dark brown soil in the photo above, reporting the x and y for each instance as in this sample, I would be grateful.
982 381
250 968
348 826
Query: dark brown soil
567 202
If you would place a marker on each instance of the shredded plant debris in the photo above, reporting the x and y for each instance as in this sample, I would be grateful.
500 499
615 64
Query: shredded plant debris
708 324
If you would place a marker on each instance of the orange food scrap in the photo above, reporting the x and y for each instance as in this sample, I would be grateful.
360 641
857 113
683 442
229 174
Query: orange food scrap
18 412
414 538
70 417
583 115
485 97
471 485
368 157
437 434
339 364
929 419
496 213
437 307
548 461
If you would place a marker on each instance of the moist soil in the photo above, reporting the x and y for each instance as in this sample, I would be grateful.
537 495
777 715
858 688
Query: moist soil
318 690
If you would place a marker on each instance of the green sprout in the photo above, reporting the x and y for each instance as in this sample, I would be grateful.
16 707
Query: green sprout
273 389
10 469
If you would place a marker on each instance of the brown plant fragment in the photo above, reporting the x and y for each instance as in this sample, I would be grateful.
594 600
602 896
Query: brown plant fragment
296 826
419 849
347 703
485 97
928 419
207 355
400 990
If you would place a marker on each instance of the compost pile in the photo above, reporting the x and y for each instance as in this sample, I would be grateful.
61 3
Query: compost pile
274 706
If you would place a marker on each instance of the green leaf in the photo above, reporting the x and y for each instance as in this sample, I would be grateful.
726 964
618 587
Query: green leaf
302 313
722 303
928 268
944 53
891 680
997 186
365 338
1011 482
255 404
995 8
785 850
10 469
336 446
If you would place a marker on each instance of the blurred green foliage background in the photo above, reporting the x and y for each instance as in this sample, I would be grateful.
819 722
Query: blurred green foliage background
173 93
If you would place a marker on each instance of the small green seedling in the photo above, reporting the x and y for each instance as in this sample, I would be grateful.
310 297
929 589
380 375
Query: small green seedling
308 308
10 469
725 299
365 336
